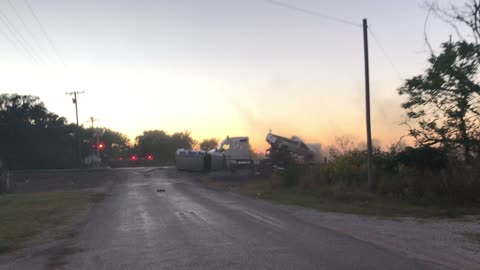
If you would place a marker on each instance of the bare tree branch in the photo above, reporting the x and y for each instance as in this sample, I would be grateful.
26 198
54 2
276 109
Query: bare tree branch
448 19
425 30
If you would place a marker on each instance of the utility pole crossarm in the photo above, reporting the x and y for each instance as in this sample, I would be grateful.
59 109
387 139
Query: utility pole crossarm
92 120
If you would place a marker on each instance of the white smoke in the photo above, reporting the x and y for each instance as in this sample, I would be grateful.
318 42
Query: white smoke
317 150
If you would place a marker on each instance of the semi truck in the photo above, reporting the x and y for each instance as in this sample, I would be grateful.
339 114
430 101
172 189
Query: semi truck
231 153
234 153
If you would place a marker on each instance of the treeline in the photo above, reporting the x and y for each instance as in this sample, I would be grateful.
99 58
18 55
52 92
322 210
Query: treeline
31 137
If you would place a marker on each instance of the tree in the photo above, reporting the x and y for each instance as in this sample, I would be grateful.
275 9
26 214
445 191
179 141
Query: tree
467 15
183 139
209 144
162 145
31 137
343 145
444 101
116 143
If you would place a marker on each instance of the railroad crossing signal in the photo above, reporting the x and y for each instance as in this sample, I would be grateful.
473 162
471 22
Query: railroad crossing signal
99 146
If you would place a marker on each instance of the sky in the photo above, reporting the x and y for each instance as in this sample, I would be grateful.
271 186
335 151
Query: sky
217 67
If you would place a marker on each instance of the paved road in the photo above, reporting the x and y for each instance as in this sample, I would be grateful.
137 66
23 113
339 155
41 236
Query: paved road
191 227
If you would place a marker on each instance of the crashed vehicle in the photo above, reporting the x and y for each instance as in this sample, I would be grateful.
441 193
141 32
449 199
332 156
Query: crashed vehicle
234 153
230 154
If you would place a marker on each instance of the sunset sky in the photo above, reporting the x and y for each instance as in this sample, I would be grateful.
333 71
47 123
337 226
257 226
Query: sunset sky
218 67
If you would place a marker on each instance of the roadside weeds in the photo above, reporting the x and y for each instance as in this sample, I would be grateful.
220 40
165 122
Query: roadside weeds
25 215
341 201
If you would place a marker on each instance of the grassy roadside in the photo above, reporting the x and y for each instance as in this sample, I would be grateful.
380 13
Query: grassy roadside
363 204
25 214
354 202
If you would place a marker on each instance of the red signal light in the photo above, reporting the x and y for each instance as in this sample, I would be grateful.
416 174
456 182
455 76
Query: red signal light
101 146
150 157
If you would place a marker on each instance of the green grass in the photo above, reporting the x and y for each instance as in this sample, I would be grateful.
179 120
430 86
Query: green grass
25 214
362 203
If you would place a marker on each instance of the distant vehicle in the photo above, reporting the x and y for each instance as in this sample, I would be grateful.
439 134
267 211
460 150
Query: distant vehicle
234 153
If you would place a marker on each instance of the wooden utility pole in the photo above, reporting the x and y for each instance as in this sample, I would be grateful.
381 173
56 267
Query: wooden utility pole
77 133
92 120
371 180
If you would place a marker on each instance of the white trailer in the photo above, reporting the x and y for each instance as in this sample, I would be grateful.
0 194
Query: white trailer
190 160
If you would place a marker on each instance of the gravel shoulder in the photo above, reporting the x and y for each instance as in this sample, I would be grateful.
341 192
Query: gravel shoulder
438 241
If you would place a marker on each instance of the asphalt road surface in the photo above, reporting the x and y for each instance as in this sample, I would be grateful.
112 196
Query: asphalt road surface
161 220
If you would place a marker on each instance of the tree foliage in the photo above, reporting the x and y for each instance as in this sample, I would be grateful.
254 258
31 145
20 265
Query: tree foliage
116 143
208 144
162 145
444 101
33 137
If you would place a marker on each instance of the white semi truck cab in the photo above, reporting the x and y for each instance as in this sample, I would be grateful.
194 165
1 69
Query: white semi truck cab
231 152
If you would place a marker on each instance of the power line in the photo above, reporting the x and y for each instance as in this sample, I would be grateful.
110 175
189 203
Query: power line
14 43
25 25
44 32
17 36
385 54
313 13
15 32
339 20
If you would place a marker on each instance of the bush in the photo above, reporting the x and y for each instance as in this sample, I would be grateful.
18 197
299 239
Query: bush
423 175
291 175
349 169
462 182
423 158
395 184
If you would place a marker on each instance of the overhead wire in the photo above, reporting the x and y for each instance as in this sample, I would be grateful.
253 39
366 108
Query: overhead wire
18 37
27 28
343 21
57 53
385 54
313 13
15 44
